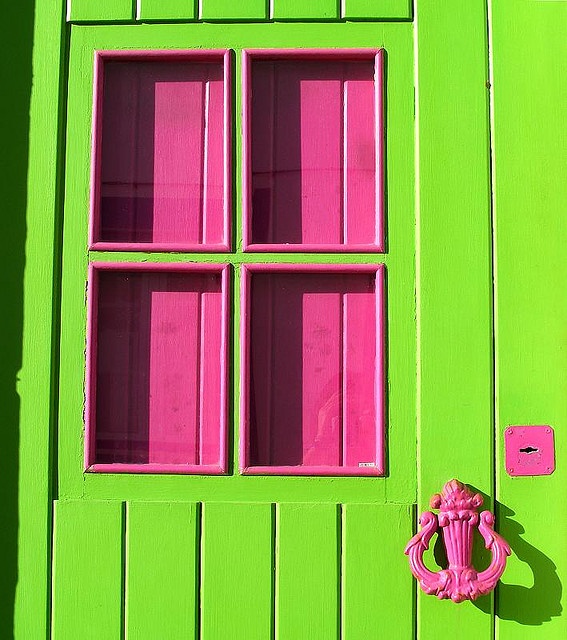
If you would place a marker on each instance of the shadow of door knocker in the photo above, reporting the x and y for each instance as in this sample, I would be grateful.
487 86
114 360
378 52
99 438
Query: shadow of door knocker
457 518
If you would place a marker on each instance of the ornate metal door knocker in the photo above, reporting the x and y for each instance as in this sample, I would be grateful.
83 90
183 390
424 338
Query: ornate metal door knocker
457 518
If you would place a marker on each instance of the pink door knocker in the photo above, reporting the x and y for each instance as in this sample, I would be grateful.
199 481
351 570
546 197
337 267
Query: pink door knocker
457 518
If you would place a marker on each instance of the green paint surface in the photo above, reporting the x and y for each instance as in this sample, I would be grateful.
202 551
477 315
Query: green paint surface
161 570
166 10
299 9
241 10
237 571
87 576
455 432
399 484
377 593
530 150
307 571
29 283
100 10
328 554
378 9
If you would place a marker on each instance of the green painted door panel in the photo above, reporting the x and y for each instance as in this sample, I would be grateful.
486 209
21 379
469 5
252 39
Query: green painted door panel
475 341
530 187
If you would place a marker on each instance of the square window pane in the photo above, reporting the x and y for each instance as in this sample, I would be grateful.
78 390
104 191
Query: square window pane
161 150
313 151
157 379
313 378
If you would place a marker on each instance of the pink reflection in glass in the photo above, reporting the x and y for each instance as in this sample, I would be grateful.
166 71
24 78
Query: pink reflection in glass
314 377
158 383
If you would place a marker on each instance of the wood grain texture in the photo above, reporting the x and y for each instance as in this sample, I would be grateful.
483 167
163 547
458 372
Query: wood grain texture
399 484
30 189
237 571
161 570
377 589
100 11
454 279
530 192
87 570
376 9
166 10
307 571
299 10
241 10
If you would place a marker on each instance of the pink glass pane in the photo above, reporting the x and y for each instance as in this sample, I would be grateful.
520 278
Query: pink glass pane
313 152
159 368
162 161
313 370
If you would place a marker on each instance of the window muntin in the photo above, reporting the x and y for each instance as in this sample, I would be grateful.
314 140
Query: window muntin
357 447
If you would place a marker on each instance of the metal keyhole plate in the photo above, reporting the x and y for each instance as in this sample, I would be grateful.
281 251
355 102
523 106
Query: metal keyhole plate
530 450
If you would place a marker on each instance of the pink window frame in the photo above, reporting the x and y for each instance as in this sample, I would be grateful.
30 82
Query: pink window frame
211 55
248 56
90 378
244 443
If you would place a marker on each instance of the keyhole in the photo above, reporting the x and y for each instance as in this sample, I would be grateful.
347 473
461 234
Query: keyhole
529 450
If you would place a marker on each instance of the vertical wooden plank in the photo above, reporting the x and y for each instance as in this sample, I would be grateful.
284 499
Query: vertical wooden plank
161 570
241 10
530 191
87 570
105 10
236 571
298 10
33 43
307 571
454 255
166 10
377 587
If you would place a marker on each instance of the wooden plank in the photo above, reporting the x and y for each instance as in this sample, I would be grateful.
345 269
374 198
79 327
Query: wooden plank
87 570
299 10
166 10
307 571
100 11
32 44
236 571
377 587
389 9
454 279
241 10
530 151
161 570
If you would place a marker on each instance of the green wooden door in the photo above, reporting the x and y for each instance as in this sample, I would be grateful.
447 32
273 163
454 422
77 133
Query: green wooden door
239 556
